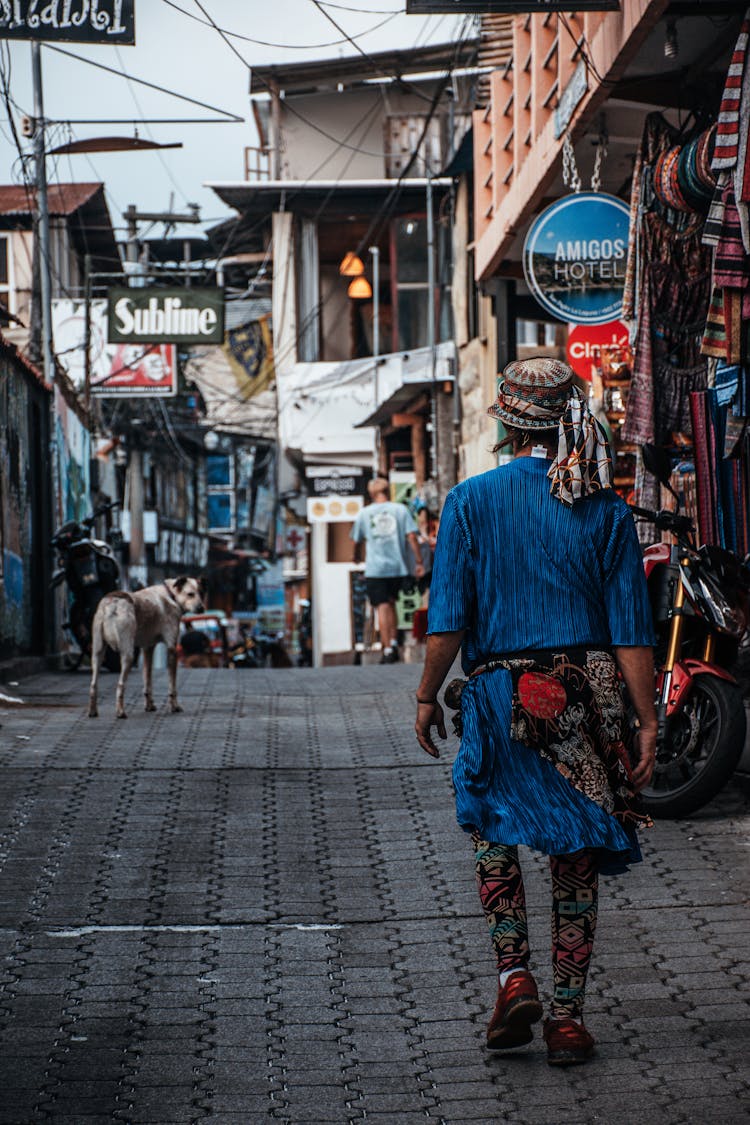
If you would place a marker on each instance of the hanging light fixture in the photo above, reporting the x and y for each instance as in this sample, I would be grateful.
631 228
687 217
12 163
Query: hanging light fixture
351 265
360 289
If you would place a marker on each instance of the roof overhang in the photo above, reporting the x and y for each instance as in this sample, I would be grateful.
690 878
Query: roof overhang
340 197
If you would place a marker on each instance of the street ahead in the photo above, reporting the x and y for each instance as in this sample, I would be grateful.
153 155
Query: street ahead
262 909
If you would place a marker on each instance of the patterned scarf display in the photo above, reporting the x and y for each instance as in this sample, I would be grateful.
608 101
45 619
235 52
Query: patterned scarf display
584 460
726 151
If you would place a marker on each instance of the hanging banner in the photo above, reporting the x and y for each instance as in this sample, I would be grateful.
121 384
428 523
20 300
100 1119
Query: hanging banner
115 369
574 257
165 316
72 21
585 343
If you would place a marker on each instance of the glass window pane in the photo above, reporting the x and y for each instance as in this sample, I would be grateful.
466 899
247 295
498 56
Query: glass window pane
411 250
219 510
218 471
412 319
3 261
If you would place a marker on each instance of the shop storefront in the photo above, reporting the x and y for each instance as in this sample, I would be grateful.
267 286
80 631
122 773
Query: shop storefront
612 173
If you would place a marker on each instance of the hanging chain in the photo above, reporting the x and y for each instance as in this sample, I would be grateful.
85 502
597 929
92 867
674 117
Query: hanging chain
600 157
570 175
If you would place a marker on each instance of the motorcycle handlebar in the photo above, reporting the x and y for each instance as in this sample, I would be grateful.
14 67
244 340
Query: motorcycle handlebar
665 520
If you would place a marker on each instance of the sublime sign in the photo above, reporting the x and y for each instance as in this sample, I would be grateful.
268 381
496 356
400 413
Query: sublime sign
77 21
574 258
175 316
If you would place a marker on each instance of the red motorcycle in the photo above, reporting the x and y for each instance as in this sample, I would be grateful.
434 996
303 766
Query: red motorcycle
699 599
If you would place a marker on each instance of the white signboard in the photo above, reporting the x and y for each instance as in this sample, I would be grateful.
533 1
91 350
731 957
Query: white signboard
116 369
333 509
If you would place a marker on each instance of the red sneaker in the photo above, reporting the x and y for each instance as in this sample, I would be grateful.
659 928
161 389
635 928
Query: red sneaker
568 1042
517 1008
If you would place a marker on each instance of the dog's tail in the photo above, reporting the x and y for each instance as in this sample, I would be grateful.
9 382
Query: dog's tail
113 611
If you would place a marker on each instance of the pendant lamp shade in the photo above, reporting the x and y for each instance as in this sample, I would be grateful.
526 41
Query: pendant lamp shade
360 289
351 265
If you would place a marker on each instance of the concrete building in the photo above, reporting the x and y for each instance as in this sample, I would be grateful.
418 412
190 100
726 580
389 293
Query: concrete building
335 197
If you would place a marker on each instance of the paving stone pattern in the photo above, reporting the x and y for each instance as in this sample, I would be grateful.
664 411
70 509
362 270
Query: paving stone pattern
262 909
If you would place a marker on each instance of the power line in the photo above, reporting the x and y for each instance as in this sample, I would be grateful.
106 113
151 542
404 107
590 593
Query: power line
284 46
149 133
227 116
368 58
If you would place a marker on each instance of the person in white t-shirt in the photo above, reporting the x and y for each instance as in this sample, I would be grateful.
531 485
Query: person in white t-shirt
389 532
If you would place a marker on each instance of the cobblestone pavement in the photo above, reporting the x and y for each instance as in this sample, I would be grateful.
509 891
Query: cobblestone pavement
262 909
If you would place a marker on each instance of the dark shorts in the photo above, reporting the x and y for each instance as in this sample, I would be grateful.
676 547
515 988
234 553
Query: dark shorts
381 590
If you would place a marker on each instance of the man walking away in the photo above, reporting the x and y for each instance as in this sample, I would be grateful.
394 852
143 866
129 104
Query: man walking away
386 527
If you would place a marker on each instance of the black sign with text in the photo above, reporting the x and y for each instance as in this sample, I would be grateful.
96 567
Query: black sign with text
74 21
526 7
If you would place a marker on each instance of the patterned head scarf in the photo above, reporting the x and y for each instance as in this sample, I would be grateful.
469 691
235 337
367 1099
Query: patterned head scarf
539 393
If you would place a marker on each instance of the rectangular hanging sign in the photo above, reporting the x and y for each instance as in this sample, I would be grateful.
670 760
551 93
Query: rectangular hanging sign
73 21
170 315
532 7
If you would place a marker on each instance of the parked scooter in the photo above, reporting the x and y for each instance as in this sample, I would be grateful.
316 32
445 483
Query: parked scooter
90 569
699 599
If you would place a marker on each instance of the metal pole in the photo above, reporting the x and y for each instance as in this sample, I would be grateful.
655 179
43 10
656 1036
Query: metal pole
43 208
431 326
375 251
87 334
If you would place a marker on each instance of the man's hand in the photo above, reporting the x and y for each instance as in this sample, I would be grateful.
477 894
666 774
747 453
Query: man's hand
643 771
429 715
419 570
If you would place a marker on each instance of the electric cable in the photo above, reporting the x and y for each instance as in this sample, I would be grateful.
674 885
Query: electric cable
284 46
227 116
149 133
367 57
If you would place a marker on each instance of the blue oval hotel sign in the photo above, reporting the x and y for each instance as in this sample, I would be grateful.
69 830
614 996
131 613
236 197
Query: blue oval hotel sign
574 257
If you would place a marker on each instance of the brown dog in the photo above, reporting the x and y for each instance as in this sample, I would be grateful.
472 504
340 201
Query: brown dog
126 622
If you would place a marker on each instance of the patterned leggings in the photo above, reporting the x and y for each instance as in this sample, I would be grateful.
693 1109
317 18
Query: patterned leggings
574 904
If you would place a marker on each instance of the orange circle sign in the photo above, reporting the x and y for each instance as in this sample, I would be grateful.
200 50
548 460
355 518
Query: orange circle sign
585 343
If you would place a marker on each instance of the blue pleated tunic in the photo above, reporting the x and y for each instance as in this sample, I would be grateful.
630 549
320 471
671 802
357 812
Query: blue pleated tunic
519 570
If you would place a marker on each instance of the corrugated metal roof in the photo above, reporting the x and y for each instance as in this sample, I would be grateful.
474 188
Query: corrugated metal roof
63 199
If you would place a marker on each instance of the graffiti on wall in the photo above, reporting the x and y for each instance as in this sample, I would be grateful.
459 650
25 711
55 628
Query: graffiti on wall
73 451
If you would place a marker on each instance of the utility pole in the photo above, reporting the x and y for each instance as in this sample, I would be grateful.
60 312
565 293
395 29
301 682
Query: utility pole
431 332
42 203
136 549
87 333
375 251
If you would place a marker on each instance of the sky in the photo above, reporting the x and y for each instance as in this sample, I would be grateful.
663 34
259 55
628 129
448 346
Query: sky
188 56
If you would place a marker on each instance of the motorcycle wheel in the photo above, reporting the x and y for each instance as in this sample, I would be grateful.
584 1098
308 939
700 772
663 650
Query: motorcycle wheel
706 738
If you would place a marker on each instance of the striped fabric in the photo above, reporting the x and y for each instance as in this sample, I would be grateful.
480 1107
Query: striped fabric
726 151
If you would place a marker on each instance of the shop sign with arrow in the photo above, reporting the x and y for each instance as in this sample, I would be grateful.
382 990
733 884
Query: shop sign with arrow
73 21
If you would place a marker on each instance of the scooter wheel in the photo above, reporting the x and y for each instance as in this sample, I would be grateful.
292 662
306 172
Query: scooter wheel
704 744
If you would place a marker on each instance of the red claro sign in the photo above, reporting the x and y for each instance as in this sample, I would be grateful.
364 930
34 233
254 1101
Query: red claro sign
585 343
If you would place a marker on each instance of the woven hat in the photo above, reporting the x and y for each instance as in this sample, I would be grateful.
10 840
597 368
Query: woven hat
533 393
540 394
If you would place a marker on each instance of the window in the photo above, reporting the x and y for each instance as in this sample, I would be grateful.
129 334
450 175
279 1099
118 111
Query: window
220 500
410 290
7 295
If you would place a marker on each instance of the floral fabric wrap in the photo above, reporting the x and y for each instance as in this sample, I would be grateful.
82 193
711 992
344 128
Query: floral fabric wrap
568 706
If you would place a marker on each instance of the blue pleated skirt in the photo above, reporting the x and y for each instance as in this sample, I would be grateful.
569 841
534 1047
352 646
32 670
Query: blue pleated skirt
513 795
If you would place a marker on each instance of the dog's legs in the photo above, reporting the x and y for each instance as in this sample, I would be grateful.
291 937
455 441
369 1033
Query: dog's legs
97 651
148 664
172 668
126 663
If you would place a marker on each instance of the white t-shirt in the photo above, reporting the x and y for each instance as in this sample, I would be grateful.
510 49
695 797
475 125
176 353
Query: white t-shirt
384 528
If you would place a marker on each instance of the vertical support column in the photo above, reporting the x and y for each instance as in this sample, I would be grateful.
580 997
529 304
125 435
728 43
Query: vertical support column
43 208
284 299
